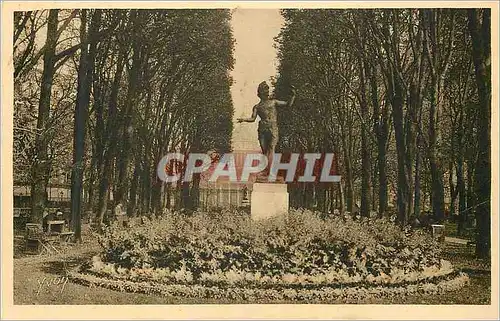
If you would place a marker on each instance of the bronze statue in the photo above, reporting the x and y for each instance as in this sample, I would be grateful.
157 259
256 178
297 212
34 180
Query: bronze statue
268 125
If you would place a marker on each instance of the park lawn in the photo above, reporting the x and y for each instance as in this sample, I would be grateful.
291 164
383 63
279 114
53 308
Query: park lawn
30 271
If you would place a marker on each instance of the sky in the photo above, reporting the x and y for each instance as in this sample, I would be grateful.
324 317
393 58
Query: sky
255 61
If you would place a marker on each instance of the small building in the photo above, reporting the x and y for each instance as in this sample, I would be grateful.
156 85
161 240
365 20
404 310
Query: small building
58 196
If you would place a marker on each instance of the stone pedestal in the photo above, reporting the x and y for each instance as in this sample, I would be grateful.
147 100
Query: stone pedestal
268 200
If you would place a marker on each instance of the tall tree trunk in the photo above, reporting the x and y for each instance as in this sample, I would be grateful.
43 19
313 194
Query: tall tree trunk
146 186
462 207
80 120
417 89
383 183
41 164
90 205
461 134
110 143
437 185
438 56
128 115
382 131
479 28
403 192
340 189
145 162
416 206
156 203
100 132
133 189
453 190
349 191
168 195
156 190
411 119
471 199
104 184
365 149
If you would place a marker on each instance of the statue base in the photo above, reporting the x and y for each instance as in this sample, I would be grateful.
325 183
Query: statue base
268 200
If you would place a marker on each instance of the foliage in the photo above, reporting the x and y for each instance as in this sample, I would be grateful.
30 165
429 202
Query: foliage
301 248
301 256
391 85
158 81
27 79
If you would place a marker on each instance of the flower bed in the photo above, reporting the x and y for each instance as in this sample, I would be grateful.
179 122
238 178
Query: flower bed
300 252
351 293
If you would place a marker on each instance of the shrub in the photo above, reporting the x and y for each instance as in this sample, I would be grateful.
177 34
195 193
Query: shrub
227 247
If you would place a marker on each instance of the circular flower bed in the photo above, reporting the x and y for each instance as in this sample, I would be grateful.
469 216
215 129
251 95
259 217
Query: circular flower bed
298 257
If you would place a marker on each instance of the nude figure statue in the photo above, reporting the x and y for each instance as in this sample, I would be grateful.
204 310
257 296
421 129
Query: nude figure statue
266 109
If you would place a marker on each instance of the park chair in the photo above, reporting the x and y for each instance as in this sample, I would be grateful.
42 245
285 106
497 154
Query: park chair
37 241
57 228
34 232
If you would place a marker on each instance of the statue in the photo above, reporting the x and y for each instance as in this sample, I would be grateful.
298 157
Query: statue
268 125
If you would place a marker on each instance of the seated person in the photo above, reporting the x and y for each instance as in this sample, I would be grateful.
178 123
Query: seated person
59 214
47 217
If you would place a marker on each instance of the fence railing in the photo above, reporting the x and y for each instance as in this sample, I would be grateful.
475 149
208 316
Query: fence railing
217 198
212 197
322 198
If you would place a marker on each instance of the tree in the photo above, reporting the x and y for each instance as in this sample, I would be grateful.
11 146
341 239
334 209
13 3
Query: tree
147 82
85 74
438 53
51 62
325 116
377 78
159 86
480 32
458 105
41 169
